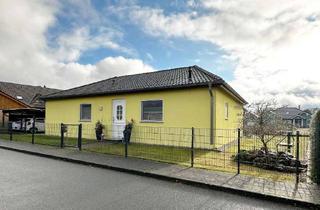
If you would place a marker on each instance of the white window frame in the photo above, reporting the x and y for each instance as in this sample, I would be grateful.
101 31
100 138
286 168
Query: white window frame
226 111
151 121
85 120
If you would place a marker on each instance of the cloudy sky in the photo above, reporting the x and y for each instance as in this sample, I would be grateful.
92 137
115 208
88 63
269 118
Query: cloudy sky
264 49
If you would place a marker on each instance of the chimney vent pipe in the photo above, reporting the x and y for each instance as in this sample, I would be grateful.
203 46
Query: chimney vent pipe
190 74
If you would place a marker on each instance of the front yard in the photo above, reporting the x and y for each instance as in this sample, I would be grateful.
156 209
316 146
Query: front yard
203 158
206 159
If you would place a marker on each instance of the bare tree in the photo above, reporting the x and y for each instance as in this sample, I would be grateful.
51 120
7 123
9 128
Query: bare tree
261 120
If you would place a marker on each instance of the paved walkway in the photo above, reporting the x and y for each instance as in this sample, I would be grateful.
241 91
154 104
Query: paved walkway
302 193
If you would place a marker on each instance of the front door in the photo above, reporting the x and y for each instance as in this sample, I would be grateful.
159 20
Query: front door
118 118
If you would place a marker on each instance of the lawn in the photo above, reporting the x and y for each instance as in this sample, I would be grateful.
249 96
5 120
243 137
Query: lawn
206 159
38 138
43 139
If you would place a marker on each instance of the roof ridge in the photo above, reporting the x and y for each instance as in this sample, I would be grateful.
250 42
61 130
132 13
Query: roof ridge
208 73
290 107
122 76
157 71
35 86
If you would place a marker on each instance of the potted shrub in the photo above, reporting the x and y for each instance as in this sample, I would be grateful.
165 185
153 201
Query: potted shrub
99 130
127 131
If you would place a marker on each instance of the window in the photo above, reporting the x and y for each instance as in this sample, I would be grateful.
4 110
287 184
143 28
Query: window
85 112
152 110
226 111
119 112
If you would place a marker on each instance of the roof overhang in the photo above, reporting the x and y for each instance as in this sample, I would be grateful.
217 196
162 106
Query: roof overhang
23 111
187 86
224 85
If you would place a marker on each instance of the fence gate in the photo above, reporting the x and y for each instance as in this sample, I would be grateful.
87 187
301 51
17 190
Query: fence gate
71 135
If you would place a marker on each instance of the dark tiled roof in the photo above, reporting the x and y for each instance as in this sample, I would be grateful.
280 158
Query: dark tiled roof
158 80
27 94
291 113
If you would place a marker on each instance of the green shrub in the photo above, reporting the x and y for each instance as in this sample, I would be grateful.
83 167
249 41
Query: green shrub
315 147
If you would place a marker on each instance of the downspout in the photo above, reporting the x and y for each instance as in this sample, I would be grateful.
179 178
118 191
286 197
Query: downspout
211 112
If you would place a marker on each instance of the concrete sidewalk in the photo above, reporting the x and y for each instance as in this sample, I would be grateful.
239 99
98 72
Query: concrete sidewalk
301 194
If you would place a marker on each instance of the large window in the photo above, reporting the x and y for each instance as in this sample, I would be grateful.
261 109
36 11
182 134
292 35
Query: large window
85 112
152 110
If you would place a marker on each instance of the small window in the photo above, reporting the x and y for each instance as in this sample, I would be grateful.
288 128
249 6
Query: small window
85 112
226 111
119 112
152 110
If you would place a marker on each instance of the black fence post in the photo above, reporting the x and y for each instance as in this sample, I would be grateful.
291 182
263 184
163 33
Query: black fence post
33 128
297 156
10 130
80 136
192 146
289 142
62 135
238 159
125 148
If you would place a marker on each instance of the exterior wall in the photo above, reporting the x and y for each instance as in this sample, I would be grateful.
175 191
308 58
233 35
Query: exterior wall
226 129
7 103
235 111
182 109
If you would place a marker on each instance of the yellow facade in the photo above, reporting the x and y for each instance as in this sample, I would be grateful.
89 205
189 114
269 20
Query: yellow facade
235 110
182 108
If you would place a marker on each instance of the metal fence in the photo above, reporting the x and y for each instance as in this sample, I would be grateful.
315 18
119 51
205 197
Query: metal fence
227 150
48 136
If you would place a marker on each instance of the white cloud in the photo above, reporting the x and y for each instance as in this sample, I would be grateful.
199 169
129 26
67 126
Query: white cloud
275 43
74 43
22 40
117 66
26 57
74 74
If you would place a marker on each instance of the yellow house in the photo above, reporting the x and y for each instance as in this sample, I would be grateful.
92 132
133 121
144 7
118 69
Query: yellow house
161 104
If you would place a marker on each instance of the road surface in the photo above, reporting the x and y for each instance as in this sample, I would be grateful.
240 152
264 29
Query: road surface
32 182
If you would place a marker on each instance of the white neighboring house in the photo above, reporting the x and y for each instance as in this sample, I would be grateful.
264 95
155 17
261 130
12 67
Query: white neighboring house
295 116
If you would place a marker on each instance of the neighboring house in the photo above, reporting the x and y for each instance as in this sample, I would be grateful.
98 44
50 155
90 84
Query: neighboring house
181 97
295 116
17 99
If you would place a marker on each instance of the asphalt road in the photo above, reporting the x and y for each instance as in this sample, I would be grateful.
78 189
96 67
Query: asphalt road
31 182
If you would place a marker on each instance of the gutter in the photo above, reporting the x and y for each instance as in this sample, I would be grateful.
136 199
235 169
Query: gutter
211 112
